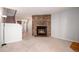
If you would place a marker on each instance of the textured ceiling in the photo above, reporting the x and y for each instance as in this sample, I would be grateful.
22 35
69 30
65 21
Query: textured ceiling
23 12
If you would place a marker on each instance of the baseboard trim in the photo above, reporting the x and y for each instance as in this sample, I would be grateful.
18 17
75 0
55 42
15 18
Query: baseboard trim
63 39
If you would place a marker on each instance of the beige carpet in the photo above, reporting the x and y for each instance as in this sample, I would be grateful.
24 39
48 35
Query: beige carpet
38 44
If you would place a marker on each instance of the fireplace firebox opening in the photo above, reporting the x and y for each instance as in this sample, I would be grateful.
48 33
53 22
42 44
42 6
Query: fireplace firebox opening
41 30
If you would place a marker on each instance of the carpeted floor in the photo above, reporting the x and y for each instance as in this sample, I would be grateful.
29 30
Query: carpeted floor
38 44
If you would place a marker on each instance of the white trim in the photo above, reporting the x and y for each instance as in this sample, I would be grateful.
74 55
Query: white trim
64 39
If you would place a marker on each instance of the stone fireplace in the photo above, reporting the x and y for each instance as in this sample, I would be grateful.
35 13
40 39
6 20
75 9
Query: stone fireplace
41 25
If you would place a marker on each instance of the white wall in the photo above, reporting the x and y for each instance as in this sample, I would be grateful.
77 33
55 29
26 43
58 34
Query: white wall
0 14
13 32
30 25
0 23
24 26
65 24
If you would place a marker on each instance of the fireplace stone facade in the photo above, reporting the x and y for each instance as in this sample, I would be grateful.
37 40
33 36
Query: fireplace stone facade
41 20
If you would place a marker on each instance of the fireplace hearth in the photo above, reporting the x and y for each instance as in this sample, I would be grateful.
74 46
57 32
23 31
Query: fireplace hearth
41 30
